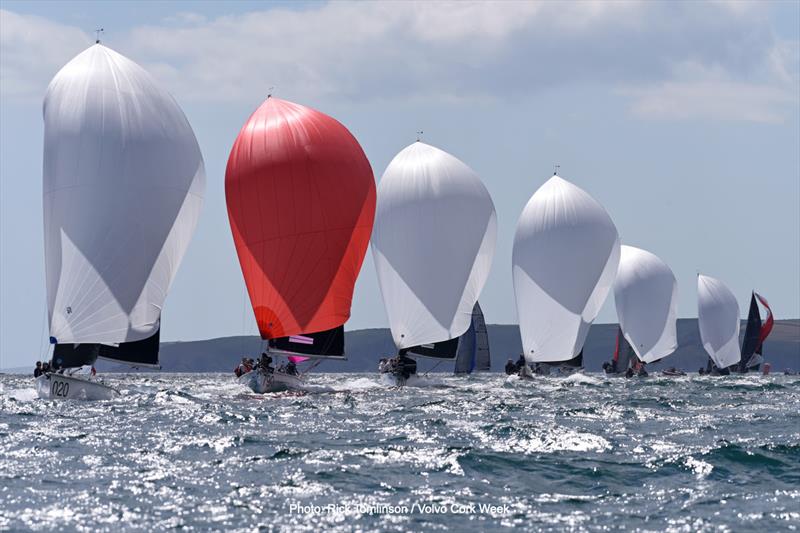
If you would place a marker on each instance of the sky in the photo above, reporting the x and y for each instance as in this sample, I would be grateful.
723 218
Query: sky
681 118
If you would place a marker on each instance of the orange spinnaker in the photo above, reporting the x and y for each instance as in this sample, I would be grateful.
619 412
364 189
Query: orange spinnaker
301 203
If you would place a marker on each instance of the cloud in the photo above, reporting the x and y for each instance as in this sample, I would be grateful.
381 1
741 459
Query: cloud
714 99
464 51
699 92
32 50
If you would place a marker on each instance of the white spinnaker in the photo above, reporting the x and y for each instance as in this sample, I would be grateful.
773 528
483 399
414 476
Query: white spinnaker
123 189
433 242
646 297
566 252
718 320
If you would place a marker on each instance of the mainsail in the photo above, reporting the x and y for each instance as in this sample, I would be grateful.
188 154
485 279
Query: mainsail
718 320
301 203
645 294
565 257
123 189
623 353
473 346
434 238
754 334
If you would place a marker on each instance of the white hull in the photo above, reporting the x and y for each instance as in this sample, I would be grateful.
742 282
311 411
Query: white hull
63 387
262 382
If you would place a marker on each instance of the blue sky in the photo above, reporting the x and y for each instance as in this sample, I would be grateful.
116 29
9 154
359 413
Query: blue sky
681 118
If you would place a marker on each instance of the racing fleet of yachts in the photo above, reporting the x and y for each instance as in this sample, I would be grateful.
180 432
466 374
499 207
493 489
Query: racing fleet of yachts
124 183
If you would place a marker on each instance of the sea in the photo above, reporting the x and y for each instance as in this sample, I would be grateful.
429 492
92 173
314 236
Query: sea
199 452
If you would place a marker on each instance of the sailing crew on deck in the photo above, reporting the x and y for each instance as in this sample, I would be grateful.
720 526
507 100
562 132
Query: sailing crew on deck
520 362
291 368
511 368
404 365
266 362
38 370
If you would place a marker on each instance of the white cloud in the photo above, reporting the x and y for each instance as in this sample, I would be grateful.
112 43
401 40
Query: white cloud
452 52
714 99
32 50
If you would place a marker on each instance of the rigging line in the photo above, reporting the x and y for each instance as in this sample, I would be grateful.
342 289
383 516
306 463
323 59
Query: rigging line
432 369
41 330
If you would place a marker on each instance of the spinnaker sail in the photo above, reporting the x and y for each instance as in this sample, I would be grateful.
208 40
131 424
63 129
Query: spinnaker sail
646 298
434 238
565 257
301 203
718 321
123 189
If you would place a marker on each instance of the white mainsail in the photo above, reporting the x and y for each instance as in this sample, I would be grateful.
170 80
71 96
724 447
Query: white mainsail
718 320
433 242
646 297
123 188
565 257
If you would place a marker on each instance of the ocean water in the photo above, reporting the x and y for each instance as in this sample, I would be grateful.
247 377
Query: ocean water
580 453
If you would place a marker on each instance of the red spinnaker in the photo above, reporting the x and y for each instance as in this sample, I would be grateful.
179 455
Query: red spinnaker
301 203
767 327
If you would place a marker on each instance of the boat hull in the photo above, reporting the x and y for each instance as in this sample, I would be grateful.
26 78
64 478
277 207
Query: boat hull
262 382
63 387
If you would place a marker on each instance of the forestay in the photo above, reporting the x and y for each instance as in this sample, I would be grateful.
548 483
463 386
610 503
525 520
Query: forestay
433 242
123 188
646 297
718 320
565 257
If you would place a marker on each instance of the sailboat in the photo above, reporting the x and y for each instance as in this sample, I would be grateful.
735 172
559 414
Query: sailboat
433 243
123 189
754 334
646 298
473 353
301 202
718 321
565 257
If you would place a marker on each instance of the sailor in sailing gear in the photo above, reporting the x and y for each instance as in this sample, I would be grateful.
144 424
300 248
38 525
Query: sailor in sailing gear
404 365
383 365
511 368
265 362
520 362
38 370
291 368
607 367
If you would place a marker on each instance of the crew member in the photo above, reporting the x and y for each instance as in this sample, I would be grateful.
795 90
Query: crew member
511 368
38 370
404 365
520 362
